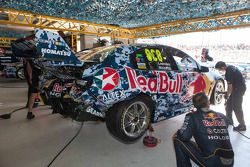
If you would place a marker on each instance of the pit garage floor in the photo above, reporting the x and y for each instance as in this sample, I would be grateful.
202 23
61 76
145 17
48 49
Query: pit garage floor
34 143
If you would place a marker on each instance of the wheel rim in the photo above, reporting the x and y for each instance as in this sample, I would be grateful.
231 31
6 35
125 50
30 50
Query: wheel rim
135 119
218 96
20 74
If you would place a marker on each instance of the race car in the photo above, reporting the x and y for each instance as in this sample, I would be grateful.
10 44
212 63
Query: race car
130 86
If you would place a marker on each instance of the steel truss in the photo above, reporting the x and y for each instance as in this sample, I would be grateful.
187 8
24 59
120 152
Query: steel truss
226 21
27 19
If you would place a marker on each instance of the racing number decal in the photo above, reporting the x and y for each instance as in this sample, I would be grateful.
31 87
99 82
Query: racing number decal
153 55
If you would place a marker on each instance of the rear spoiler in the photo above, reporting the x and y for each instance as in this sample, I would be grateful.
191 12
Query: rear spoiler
24 47
45 45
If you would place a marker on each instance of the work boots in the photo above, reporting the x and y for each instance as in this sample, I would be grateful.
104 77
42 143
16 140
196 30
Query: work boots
240 128
30 116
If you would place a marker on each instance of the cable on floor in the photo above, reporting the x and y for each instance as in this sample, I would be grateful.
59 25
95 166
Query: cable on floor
8 115
241 133
77 133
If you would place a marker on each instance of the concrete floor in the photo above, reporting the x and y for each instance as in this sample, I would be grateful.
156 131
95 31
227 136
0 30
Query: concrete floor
34 143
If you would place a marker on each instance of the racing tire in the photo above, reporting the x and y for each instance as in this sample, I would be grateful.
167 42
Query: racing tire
217 97
20 73
129 120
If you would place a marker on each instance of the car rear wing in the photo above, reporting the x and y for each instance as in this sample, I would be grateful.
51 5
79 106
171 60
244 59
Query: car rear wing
45 45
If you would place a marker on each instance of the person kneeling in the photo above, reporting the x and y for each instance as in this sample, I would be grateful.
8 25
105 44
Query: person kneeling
212 146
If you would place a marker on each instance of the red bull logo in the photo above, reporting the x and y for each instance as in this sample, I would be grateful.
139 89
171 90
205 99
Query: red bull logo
211 116
214 123
198 85
213 119
57 88
161 84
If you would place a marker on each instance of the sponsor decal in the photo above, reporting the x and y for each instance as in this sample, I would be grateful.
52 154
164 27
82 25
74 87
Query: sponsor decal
59 43
217 137
153 55
164 64
221 131
107 79
198 85
93 111
139 58
45 41
140 61
55 52
213 119
161 84
57 89
214 123
216 131
56 94
211 116
113 96
141 66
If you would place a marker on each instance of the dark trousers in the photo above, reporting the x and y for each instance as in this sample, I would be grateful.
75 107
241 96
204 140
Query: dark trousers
29 94
185 151
234 103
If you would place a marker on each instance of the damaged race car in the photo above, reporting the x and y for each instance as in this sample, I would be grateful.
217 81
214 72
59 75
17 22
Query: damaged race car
129 86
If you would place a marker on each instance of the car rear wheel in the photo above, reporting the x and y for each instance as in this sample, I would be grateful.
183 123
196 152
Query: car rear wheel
217 97
129 120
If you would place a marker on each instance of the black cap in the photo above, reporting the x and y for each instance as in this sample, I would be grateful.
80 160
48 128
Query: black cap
220 64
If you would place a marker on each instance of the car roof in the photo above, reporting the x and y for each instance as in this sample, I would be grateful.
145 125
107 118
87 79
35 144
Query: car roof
87 53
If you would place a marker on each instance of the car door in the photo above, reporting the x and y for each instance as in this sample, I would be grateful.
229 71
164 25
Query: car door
155 76
192 79
170 86
143 74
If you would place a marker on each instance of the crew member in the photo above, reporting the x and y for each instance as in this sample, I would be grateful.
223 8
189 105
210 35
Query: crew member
235 90
32 76
205 55
209 129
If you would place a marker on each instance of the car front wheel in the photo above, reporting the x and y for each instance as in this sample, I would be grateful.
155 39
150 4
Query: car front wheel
217 96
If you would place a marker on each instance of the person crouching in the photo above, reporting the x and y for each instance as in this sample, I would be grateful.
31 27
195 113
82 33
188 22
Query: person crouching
212 146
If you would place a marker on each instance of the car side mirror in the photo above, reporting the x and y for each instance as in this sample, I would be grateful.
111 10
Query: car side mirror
204 69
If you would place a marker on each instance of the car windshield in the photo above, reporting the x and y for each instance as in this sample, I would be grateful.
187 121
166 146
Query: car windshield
95 54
